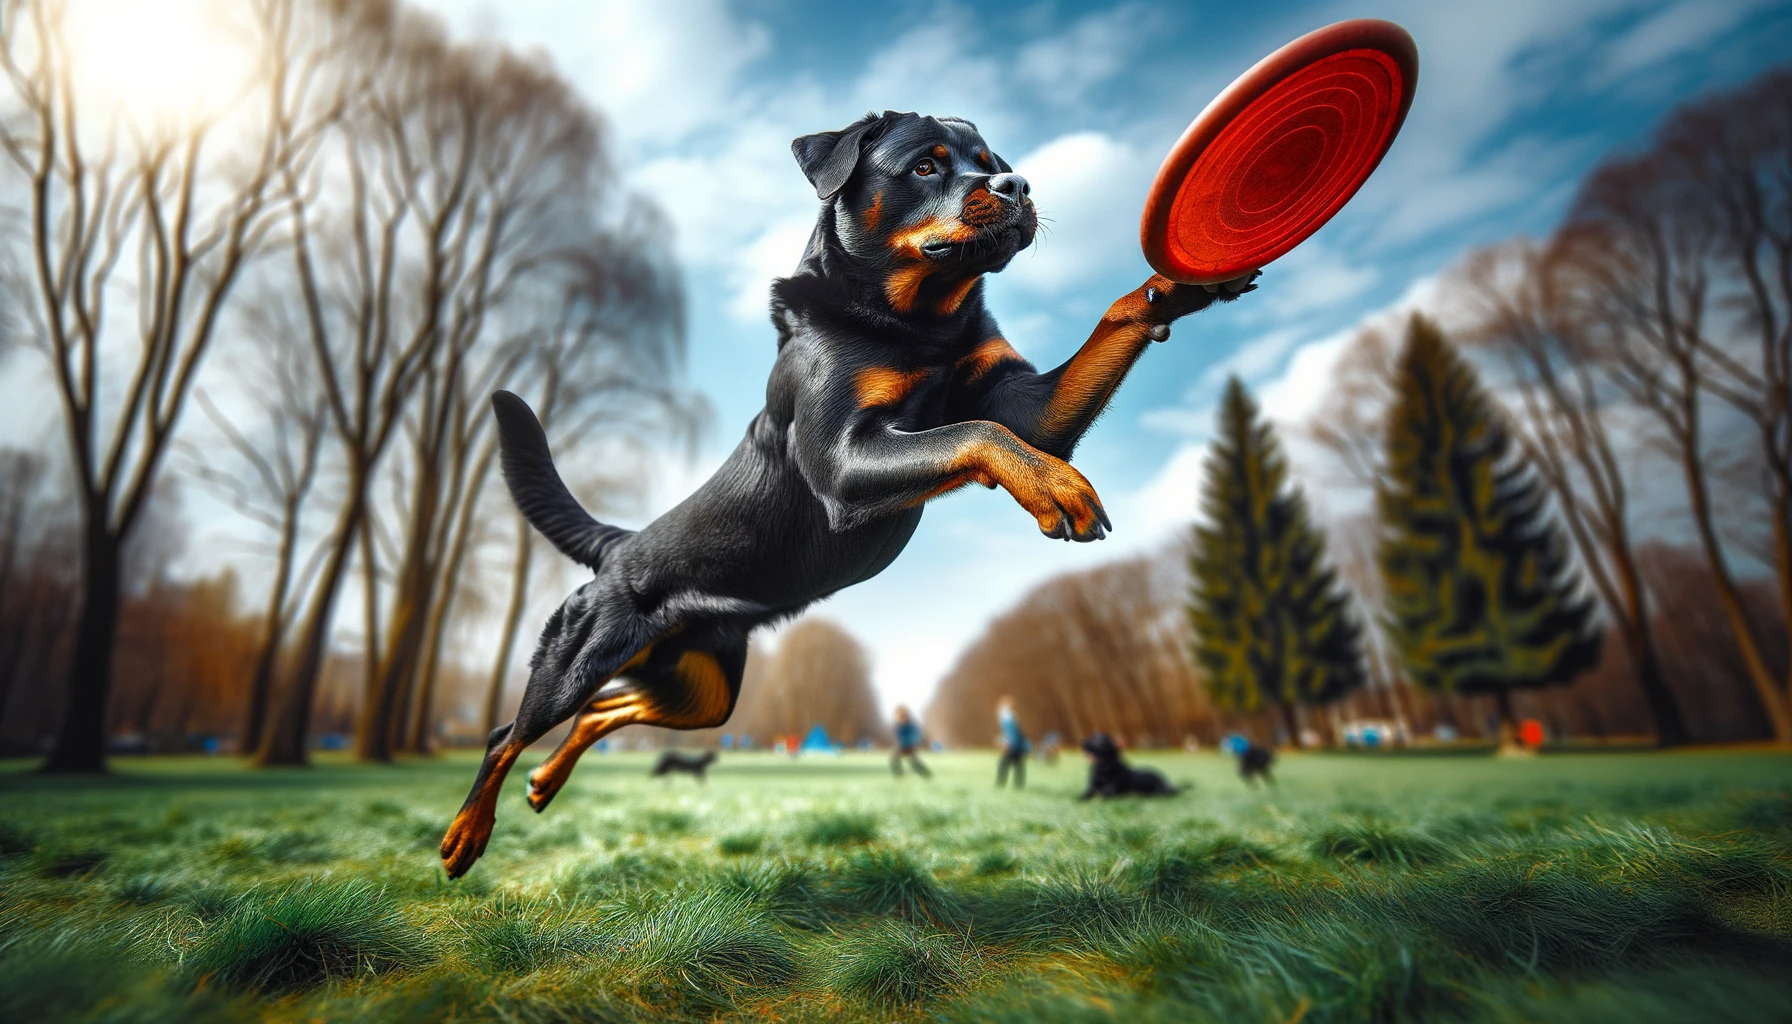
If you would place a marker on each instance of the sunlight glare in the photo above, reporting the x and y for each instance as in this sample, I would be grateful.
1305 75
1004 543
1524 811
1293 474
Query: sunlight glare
161 64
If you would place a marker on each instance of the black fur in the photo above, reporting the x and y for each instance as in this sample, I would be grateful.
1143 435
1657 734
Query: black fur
1109 775
892 386
673 761
1255 761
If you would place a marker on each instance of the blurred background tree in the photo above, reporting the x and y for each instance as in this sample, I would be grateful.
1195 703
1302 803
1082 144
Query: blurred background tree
1093 651
1272 628
1481 597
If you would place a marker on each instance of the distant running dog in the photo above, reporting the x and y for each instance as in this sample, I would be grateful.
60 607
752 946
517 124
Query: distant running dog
673 761
892 386
1253 761
1109 776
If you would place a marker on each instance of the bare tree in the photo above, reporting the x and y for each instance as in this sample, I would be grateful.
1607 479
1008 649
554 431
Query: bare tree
1097 650
278 465
162 221
817 675
1675 266
1568 431
464 192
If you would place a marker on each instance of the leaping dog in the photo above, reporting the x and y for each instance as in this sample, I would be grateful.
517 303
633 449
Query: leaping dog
892 386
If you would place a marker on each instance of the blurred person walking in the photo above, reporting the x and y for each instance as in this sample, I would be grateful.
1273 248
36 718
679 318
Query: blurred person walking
908 744
1014 746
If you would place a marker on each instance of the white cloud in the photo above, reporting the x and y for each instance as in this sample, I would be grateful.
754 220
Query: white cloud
1063 68
1313 277
1249 361
1089 188
661 69
1671 31
772 255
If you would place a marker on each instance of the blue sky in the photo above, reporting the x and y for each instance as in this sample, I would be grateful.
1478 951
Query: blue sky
1516 101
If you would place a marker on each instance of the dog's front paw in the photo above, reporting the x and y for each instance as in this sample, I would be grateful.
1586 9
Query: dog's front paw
1067 507
1166 301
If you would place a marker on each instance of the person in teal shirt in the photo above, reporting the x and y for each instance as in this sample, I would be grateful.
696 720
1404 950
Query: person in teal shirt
908 744
1014 746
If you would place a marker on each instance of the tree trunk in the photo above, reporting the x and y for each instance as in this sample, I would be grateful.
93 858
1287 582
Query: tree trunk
519 594
1508 738
436 628
1289 723
382 707
273 633
81 743
284 739
1774 702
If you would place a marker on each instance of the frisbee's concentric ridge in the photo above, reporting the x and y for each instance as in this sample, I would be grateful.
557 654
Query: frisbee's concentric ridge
1279 152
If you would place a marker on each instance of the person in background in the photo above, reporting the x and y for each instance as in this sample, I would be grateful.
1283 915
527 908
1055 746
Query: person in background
908 744
1014 746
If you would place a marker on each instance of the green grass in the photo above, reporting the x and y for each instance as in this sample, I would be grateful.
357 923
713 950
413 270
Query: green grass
1616 887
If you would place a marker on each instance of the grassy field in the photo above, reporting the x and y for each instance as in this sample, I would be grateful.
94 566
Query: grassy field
1621 887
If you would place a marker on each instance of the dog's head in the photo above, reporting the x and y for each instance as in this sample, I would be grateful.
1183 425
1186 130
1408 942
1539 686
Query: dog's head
1101 749
921 205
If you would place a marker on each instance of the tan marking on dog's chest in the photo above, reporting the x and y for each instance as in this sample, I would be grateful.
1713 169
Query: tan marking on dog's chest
955 296
902 286
884 386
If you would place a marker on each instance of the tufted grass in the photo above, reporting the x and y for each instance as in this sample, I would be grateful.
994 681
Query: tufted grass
1563 888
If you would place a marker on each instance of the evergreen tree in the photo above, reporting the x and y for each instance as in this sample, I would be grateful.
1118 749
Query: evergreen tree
1271 624
1481 595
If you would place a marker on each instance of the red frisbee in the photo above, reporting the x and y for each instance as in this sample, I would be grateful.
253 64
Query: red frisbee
1279 152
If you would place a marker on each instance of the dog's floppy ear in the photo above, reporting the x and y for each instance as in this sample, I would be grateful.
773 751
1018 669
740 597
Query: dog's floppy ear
829 158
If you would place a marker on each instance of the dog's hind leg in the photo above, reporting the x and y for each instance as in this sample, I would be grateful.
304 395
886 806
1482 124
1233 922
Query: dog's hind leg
585 643
602 717
669 685
472 827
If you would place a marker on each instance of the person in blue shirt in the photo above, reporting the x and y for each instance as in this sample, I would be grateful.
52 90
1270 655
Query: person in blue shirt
1014 746
908 744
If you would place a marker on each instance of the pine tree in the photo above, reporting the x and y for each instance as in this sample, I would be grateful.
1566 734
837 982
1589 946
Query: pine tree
1271 624
1481 595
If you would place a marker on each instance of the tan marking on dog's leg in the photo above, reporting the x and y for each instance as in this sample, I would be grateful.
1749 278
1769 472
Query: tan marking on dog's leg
472 827
708 697
593 724
597 720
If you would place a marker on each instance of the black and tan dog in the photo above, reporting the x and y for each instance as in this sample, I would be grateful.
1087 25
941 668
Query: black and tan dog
1110 775
690 764
893 385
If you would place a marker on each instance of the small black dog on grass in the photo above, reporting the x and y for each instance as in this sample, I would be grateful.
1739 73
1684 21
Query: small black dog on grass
1253 761
1109 776
893 385
673 761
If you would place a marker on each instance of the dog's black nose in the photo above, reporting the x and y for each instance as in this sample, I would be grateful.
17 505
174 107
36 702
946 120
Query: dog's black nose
1009 186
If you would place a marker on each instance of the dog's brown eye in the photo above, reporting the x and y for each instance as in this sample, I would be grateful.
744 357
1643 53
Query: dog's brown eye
924 168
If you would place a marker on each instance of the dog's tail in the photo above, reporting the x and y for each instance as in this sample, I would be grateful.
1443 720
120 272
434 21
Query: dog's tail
538 491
